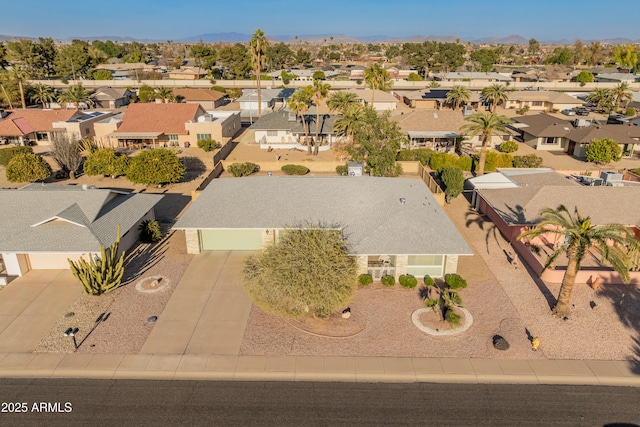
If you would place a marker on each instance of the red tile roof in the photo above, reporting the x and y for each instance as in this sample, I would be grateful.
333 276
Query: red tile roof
198 94
23 122
166 118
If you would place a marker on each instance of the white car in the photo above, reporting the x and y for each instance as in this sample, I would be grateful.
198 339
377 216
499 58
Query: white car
568 112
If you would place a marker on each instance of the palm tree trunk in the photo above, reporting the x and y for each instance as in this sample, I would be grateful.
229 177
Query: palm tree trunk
562 306
6 95
24 104
259 89
483 155
315 143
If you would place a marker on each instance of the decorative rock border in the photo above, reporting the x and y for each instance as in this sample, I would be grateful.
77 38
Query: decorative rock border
468 321
144 285
355 317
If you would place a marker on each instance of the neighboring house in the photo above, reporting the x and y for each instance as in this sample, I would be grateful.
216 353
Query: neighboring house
516 209
270 99
399 74
188 73
616 78
173 124
458 77
111 97
125 71
283 129
208 99
382 101
635 100
433 99
23 127
44 225
541 100
548 133
303 75
439 130
394 226
102 128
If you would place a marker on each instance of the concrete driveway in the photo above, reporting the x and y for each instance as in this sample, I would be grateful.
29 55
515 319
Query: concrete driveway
31 305
207 312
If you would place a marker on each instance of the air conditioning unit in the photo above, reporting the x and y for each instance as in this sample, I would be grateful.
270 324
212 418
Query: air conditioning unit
610 176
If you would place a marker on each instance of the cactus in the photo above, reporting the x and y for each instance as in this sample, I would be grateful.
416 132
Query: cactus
101 275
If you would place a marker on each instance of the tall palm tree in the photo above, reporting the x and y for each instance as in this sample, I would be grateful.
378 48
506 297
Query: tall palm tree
340 100
577 236
43 94
458 95
165 94
621 93
299 103
377 78
495 94
601 97
20 75
485 125
259 45
345 125
76 94
320 92
5 81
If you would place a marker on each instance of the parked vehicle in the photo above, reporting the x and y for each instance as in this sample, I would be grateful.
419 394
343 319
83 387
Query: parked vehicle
582 111
568 112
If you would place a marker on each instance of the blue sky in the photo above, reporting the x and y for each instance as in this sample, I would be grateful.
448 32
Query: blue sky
176 19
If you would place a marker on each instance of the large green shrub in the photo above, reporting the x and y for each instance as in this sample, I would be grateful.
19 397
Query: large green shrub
106 162
495 160
342 170
294 169
527 161
437 161
365 279
603 150
27 167
156 166
630 112
388 280
453 180
508 147
6 154
455 281
242 169
208 144
408 281
406 156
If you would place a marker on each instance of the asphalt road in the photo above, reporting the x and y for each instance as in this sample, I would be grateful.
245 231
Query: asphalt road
155 403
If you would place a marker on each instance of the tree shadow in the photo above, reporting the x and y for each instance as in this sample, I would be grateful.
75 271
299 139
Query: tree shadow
514 215
168 209
626 301
143 257
473 217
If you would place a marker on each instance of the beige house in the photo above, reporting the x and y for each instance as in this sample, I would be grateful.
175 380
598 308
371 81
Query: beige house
208 99
382 101
541 100
188 73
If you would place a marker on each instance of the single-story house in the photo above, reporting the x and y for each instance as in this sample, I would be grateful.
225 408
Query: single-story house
283 129
41 226
127 70
434 99
208 99
393 226
188 73
303 75
464 76
270 100
111 97
542 100
173 124
382 101
616 78
31 126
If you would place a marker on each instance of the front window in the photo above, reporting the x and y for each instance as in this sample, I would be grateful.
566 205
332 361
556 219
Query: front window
550 140
272 133
42 136
537 103
422 265
202 136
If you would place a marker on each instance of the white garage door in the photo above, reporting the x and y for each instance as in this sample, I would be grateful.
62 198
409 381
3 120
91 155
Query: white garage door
51 261
235 240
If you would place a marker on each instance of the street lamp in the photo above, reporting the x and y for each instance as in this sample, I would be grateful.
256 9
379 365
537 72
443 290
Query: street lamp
71 332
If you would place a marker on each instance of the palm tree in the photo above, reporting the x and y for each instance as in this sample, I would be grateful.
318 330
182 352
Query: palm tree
577 236
299 103
341 100
486 125
320 92
377 78
345 125
165 94
259 44
20 75
43 94
495 94
458 95
76 94
601 97
621 93
5 80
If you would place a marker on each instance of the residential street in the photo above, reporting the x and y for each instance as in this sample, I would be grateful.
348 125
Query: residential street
112 402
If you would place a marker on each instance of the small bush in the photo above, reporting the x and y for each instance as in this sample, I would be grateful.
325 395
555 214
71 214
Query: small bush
452 318
630 112
453 180
242 169
6 154
528 161
150 231
408 281
294 169
388 280
455 281
365 279
524 110
27 167
208 144
508 147
428 281
342 170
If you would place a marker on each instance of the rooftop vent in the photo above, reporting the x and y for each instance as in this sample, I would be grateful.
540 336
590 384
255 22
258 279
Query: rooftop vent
403 201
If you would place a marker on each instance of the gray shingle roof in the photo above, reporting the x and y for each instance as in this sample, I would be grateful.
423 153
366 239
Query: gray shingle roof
368 208
279 120
58 218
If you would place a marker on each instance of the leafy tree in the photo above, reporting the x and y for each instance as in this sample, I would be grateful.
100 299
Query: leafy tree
534 47
302 57
287 77
307 272
146 93
74 61
236 61
508 147
6 154
204 55
346 124
392 51
584 77
43 94
495 94
453 180
102 75
450 55
377 140
625 55
279 55
108 47
76 95
156 166
341 100
527 161
299 104
414 77
66 152
486 125
458 95
234 93
577 236
3 56
259 45
319 75
603 151
560 55
36 57
377 78
486 58
106 162
320 92
27 167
